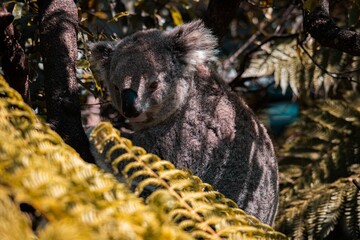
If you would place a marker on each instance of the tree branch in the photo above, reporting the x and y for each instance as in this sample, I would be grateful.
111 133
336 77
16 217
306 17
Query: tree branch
13 55
58 25
318 22
257 34
337 75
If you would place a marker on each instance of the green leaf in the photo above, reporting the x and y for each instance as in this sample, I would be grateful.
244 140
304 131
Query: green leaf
17 10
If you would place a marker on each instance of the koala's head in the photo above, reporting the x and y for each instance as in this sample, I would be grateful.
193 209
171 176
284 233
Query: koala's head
150 73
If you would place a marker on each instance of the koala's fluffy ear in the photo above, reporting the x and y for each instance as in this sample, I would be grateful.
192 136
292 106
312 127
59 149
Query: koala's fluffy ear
193 43
101 54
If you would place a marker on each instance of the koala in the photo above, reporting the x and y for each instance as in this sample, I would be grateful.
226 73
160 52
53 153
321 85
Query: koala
179 109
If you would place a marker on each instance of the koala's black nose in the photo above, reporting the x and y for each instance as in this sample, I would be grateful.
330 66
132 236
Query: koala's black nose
128 98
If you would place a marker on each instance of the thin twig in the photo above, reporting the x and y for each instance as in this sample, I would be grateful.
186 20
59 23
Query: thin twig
337 75
356 183
258 33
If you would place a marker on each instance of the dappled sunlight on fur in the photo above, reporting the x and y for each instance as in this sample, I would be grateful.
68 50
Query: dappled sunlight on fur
198 123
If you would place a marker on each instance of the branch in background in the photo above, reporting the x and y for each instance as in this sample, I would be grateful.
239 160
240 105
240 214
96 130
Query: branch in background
257 34
337 75
58 44
318 22
219 15
356 183
245 48
13 55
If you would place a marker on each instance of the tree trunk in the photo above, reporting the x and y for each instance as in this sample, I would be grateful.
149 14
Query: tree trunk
13 55
58 44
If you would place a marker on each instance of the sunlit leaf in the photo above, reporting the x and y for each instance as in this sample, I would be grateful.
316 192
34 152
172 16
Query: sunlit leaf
186 4
119 15
17 10
87 76
101 15
83 63
91 4
262 3
176 15
137 3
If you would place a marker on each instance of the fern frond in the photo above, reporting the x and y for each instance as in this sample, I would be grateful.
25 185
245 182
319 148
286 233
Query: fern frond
292 66
75 199
325 145
188 202
69 229
316 212
352 209
14 225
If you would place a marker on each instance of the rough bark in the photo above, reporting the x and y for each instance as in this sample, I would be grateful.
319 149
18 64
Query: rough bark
13 56
219 15
320 25
58 44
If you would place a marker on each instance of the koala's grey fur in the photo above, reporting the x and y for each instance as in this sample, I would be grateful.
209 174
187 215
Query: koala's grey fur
188 116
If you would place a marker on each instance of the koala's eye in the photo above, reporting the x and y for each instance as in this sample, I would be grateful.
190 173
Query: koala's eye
153 86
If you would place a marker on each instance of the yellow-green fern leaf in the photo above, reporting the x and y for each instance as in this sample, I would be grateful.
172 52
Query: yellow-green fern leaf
185 200
14 225
316 212
39 169
307 69
326 144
